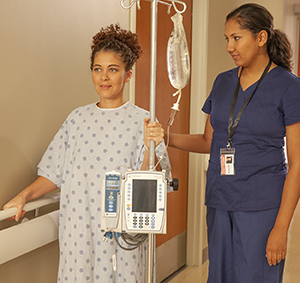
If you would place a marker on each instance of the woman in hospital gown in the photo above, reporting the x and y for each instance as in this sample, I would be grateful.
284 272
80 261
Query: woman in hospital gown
111 134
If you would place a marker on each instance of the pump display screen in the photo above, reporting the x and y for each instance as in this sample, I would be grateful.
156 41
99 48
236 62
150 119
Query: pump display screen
144 195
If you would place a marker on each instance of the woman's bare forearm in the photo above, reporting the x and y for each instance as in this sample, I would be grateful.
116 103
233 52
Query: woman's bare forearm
193 143
199 143
38 188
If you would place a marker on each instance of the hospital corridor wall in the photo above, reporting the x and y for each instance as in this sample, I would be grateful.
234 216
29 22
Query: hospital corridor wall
44 75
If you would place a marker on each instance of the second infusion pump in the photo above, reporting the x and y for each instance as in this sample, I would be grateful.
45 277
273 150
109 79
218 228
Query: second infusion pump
136 203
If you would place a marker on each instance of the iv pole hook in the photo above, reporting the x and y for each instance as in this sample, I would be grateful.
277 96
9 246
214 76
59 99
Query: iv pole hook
159 1
130 5
176 9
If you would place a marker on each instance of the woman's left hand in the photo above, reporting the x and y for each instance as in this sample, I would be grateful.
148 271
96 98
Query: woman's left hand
152 131
276 246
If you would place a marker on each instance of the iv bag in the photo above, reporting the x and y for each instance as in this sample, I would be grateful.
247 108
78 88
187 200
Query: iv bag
178 60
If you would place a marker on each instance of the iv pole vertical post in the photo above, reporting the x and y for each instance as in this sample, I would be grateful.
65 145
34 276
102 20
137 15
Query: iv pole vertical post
153 77
150 254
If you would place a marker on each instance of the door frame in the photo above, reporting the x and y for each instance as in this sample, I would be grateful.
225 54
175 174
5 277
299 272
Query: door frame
196 232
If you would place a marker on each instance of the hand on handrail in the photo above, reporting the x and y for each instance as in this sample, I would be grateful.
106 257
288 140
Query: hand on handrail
40 187
18 203
10 210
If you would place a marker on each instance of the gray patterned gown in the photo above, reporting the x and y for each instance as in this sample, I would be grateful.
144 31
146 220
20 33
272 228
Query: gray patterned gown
91 142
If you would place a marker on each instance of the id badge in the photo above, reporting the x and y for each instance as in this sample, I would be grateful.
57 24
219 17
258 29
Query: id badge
227 161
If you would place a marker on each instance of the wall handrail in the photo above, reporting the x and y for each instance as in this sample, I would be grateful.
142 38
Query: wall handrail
35 233
32 205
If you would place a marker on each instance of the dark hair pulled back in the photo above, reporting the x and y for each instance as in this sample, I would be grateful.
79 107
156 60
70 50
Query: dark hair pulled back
256 18
123 42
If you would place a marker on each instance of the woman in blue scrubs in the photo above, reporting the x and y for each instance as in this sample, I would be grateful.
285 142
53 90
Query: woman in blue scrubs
250 194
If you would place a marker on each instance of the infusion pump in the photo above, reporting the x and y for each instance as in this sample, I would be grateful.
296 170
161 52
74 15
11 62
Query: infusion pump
136 203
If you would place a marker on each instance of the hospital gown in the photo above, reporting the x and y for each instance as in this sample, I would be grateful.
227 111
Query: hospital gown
91 142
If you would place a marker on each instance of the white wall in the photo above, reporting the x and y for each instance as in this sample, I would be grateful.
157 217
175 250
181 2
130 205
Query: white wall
44 74
291 27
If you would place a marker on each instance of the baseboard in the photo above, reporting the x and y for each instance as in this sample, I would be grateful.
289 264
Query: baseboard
170 256
204 255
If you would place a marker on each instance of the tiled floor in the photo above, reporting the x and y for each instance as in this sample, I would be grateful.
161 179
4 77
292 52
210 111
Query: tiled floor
194 274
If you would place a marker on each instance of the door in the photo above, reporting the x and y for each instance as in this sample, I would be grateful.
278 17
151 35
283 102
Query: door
171 247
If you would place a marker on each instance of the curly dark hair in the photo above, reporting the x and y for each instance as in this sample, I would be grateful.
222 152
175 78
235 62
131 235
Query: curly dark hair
122 42
256 18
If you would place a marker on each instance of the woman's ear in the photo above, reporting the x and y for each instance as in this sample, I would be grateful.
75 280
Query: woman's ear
128 76
262 38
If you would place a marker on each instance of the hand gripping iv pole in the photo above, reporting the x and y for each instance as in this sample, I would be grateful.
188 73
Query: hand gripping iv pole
153 60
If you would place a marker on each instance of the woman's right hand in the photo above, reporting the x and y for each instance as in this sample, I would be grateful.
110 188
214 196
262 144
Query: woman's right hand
38 188
17 202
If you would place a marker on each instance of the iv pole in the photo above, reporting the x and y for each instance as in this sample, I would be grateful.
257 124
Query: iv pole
153 62
150 254
154 6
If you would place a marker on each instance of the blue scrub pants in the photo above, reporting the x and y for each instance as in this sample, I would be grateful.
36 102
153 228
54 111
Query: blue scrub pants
237 247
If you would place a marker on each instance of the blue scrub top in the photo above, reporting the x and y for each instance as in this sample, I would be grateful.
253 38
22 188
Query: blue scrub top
260 165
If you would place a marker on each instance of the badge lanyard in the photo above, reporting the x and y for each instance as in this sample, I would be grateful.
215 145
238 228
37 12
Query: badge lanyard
228 154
